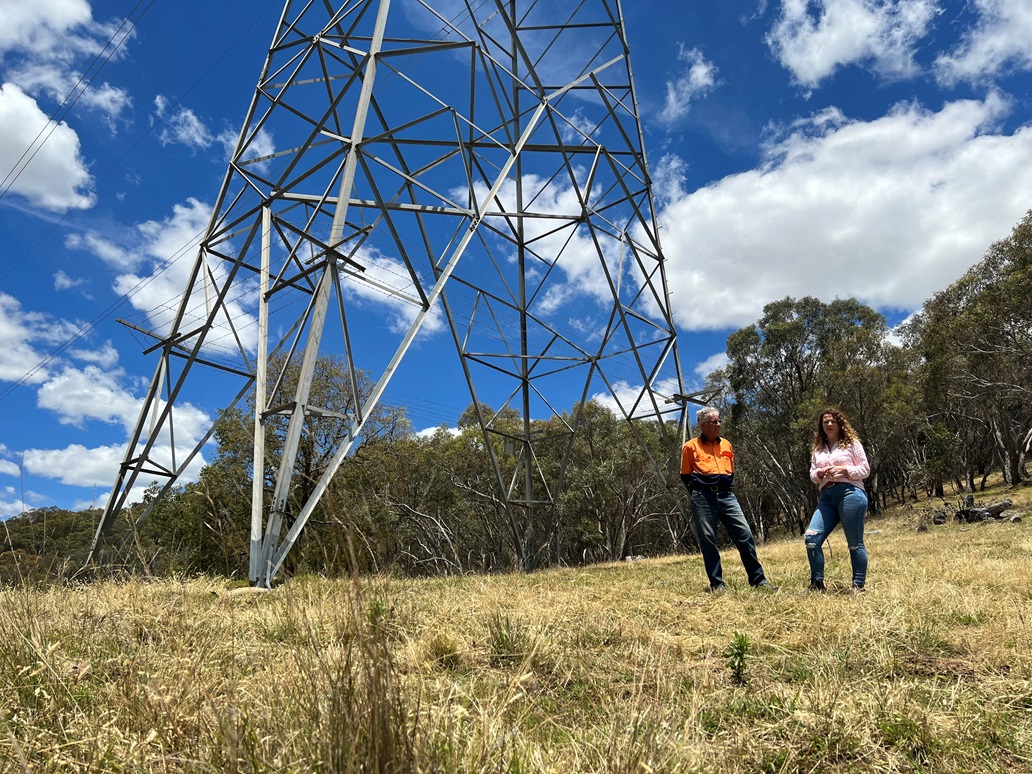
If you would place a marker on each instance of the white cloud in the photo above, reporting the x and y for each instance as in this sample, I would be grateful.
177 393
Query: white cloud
24 24
109 252
183 127
260 146
105 357
711 364
78 465
89 504
879 34
1002 38
386 283
9 468
575 253
625 395
11 508
18 331
698 79
187 129
430 432
59 83
63 282
56 177
50 42
887 211
170 245
76 395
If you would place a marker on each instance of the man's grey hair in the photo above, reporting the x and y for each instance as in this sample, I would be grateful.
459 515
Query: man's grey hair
707 412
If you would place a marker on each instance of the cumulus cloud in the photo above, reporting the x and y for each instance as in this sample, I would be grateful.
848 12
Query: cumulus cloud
430 432
169 247
698 79
1001 39
109 252
79 465
386 284
713 363
259 148
157 259
9 508
80 396
34 25
47 44
813 38
76 395
627 397
572 248
19 332
888 211
105 357
76 465
55 177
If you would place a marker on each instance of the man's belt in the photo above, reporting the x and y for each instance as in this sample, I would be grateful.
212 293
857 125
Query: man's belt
711 488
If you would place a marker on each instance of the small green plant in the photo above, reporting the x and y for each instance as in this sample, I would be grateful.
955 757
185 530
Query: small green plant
376 615
507 639
736 654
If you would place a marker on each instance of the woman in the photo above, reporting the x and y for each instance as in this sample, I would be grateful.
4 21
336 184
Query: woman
838 466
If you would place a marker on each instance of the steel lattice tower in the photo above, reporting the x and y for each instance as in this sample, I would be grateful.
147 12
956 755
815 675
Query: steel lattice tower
475 164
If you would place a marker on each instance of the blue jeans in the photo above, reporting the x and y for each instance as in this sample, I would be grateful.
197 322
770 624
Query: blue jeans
707 509
844 503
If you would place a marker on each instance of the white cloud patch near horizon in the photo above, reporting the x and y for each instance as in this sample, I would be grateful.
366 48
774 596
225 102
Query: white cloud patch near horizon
813 39
887 211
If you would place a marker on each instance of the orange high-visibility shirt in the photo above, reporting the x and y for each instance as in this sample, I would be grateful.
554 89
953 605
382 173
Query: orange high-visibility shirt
706 464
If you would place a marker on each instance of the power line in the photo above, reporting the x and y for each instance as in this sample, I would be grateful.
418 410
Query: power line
61 112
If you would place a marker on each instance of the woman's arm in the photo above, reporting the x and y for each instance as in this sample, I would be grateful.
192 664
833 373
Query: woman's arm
816 474
861 468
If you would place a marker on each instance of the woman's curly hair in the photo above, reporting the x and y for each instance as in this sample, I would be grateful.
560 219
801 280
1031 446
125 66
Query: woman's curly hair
846 432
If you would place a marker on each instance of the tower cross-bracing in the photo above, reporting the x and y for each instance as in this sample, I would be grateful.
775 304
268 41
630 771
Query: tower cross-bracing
424 171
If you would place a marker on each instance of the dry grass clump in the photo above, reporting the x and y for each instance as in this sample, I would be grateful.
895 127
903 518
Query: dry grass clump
615 668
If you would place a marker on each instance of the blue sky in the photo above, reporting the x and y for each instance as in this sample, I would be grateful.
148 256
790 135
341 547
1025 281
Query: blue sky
837 148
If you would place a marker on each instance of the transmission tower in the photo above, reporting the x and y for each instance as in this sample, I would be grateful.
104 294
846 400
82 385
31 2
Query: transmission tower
469 168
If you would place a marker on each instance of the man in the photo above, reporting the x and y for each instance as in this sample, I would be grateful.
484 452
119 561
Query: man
708 470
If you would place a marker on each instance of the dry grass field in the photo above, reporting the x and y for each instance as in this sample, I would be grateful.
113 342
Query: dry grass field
616 668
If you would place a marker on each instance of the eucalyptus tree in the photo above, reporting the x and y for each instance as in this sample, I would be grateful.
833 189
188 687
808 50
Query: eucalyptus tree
613 502
801 355
221 498
976 339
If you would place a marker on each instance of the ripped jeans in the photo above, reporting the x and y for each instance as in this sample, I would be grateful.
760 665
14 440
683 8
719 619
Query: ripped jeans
844 503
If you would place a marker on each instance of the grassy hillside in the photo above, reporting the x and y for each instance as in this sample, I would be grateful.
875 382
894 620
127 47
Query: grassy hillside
628 667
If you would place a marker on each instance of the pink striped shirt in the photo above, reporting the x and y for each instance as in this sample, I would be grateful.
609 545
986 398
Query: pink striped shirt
852 457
